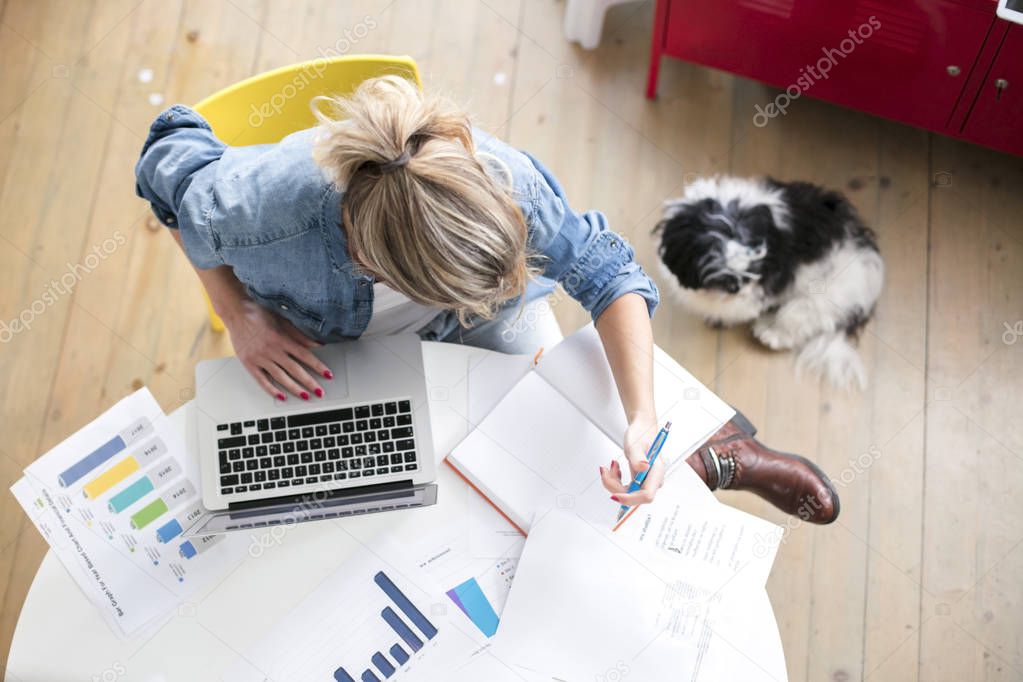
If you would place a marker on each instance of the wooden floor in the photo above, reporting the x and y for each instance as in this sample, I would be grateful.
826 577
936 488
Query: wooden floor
922 576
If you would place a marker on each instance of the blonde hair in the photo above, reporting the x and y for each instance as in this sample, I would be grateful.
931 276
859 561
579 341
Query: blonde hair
421 212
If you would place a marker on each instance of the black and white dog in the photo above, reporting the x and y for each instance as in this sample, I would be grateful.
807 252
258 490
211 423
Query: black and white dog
793 258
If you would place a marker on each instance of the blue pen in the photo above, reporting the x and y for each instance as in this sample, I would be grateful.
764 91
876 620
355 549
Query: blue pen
651 456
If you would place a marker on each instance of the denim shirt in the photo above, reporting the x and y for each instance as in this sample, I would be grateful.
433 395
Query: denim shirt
270 213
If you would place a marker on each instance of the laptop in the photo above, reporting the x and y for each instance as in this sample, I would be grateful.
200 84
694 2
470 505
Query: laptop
365 447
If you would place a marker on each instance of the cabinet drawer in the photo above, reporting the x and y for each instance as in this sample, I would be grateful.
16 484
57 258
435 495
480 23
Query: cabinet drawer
895 63
996 118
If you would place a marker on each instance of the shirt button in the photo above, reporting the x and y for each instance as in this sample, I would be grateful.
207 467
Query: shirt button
284 307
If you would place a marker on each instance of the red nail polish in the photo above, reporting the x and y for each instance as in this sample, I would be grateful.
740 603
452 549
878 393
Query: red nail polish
615 498
319 392
282 397
303 395
328 374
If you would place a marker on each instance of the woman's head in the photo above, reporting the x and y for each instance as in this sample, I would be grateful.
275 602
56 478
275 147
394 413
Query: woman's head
420 211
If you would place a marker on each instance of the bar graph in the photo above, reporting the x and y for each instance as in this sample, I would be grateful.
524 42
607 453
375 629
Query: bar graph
399 654
163 472
383 665
83 467
406 634
177 525
130 495
196 546
161 505
123 469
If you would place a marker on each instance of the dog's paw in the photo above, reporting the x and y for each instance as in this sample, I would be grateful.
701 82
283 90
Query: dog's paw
771 336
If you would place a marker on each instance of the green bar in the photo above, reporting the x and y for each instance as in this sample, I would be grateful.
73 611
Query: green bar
148 514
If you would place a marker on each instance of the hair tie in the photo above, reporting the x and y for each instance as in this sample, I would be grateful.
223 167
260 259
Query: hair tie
396 163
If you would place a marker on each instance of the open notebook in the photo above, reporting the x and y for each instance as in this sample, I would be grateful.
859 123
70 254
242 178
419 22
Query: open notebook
543 443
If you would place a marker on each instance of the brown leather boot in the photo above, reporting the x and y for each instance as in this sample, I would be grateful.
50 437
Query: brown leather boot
732 459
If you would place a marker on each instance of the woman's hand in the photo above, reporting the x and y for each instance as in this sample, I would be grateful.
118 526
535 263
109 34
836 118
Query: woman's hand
274 351
638 437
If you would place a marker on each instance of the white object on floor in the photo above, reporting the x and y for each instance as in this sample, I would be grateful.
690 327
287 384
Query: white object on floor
584 20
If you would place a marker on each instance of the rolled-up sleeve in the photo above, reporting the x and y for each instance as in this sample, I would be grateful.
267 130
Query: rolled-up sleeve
180 145
595 265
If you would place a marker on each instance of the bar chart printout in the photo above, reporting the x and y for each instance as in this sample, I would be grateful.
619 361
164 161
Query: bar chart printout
373 618
404 631
112 489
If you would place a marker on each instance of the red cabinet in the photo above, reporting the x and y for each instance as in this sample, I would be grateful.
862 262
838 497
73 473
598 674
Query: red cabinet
996 117
909 60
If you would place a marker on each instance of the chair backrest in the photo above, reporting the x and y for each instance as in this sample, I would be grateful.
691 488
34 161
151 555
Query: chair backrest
272 105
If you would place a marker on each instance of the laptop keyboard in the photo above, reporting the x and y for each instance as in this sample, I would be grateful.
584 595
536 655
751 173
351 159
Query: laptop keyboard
356 442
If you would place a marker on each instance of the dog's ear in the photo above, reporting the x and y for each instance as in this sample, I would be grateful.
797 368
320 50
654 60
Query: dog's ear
755 225
684 242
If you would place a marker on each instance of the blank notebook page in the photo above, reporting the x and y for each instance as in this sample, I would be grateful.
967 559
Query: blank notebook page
578 368
535 451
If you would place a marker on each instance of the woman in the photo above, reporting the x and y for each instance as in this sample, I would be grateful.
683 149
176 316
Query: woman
395 215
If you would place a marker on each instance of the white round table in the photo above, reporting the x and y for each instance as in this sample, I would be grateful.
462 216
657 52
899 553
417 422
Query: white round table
61 636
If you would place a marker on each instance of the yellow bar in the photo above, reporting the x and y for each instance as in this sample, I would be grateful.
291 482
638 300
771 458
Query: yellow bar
111 477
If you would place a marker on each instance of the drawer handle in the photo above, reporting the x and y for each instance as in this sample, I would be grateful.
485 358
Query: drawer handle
1000 85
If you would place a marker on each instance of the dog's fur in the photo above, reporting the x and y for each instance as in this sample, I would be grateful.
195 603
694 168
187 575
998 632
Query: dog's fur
793 258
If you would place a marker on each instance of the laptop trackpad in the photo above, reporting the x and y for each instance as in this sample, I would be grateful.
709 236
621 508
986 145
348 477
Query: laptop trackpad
333 357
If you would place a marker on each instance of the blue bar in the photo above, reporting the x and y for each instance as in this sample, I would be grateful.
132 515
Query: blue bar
130 495
399 654
382 664
403 630
90 461
187 550
341 676
168 531
368 676
403 603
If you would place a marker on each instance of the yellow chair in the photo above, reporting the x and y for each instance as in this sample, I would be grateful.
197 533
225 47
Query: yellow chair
272 105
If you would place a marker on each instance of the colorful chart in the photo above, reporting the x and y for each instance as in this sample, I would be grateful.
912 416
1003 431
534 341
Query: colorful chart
402 629
138 429
473 603
123 469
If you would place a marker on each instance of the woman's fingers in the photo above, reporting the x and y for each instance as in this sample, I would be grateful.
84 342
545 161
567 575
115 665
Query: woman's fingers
642 496
611 478
299 374
305 356
281 376
653 481
264 381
